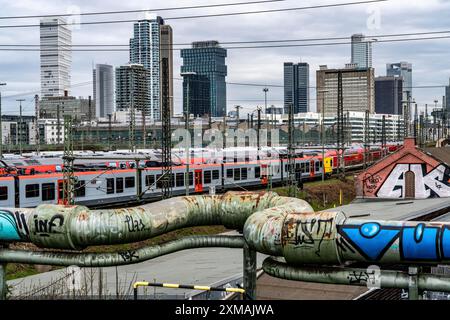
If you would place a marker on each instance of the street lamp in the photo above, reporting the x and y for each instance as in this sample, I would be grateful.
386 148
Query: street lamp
323 91
188 143
1 125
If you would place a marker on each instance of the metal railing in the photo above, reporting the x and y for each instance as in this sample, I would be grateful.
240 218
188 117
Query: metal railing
182 286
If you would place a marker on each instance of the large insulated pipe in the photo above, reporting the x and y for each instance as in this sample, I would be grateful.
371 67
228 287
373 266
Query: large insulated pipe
77 227
274 225
117 258
332 238
355 276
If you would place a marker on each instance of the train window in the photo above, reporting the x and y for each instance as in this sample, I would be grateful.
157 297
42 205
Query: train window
129 182
119 185
297 166
191 178
172 180
80 189
244 174
32 190
207 177
159 183
180 179
229 173
3 193
237 174
216 175
48 191
109 186
257 172
307 167
302 167
317 166
149 180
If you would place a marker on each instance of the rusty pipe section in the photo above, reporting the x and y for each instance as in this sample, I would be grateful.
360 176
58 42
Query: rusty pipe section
332 238
77 227
118 258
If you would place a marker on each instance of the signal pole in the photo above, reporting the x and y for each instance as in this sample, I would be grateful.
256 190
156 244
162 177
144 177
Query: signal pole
144 132
37 115
237 116
265 90
291 158
109 131
68 159
167 178
1 125
19 131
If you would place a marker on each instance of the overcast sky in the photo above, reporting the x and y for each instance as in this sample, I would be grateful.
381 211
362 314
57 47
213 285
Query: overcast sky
265 66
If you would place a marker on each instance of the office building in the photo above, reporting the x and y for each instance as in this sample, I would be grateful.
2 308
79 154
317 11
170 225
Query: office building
404 70
361 51
103 83
196 95
78 108
388 95
296 86
207 59
151 43
55 57
358 89
132 88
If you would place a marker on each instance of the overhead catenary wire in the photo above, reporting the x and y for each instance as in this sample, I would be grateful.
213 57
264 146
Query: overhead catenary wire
225 47
202 16
237 42
140 10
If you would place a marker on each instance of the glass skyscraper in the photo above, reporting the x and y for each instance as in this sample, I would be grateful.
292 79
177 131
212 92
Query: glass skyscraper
56 57
152 41
296 86
404 70
361 51
103 76
207 58
388 95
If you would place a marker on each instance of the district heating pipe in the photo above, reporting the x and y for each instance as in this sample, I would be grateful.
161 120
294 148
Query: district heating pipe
273 225
371 277
118 258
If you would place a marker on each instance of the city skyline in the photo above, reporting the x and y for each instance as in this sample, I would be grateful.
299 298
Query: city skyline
249 65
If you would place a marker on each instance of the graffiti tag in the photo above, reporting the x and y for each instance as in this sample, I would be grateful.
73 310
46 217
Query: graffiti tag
45 227
134 225
308 234
129 255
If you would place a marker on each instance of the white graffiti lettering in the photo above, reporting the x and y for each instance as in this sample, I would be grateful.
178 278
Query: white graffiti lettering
433 184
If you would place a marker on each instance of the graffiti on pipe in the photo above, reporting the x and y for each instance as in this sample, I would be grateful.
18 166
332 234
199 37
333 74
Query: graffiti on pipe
416 243
361 277
307 234
129 256
134 225
46 227
13 226
434 184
